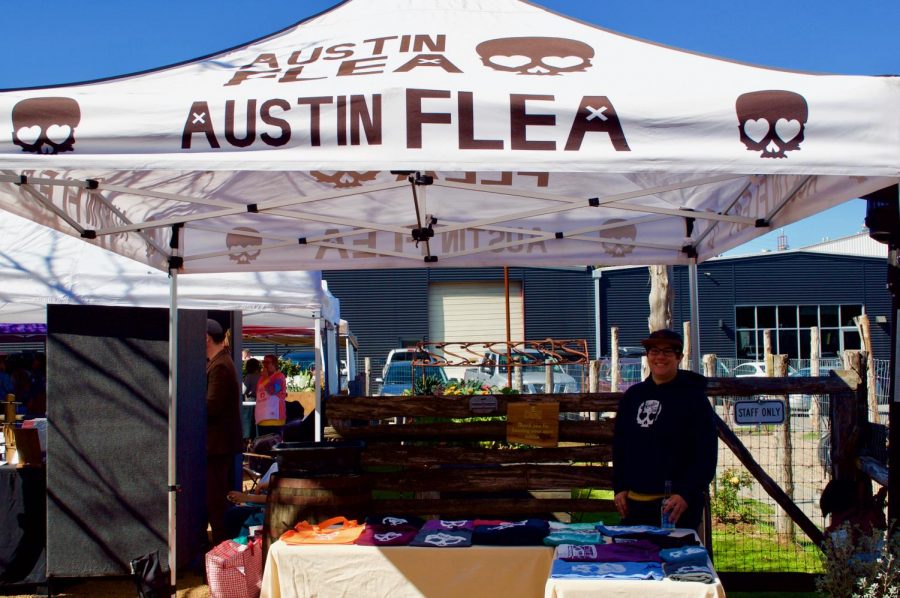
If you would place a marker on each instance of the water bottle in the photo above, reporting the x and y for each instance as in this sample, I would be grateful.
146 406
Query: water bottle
664 521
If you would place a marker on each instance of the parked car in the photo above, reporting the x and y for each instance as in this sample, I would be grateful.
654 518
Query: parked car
493 372
407 354
399 377
799 403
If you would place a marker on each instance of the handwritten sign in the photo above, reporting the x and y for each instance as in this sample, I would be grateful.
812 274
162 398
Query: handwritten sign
536 424
758 412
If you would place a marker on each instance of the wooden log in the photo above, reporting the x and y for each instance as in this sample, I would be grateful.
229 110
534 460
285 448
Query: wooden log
768 484
767 351
493 479
865 335
594 376
748 387
875 469
368 408
845 422
497 506
376 454
367 365
661 299
569 431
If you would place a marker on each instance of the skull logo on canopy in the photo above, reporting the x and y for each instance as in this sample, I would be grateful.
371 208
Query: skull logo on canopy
626 232
535 55
772 121
344 179
243 249
45 125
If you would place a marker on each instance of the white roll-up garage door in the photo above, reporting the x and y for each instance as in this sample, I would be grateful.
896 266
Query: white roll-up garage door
473 311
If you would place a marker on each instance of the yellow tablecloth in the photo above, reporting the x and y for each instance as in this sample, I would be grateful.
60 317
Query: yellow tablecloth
351 571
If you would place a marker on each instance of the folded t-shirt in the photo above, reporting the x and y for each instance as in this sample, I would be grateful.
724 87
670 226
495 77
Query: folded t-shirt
575 570
625 552
557 537
530 532
387 535
686 555
442 538
448 524
698 573
405 520
622 530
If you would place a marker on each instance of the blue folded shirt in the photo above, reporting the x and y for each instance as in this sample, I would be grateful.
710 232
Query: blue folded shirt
579 570
686 555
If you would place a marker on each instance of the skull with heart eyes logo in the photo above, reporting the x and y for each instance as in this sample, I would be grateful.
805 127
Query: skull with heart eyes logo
772 122
46 125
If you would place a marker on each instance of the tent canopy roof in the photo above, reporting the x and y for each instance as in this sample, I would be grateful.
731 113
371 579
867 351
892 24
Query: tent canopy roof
39 265
576 146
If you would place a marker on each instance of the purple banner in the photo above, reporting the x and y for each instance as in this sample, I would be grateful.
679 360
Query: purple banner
23 328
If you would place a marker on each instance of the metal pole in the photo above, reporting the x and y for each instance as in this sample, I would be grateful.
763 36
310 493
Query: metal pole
173 421
508 326
894 393
597 323
695 317
318 387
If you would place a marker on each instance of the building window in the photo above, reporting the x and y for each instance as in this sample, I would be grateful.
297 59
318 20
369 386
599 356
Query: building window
790 326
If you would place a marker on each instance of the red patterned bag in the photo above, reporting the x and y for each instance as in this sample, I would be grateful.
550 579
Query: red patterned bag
235 570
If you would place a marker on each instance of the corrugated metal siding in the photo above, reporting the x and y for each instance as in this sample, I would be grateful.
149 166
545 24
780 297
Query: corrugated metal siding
785 279
383 307
559 304
624 303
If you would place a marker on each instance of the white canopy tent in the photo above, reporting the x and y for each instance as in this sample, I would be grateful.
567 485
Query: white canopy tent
39 265
508 148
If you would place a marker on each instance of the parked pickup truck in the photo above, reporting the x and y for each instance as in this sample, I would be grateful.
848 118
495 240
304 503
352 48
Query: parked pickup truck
492 372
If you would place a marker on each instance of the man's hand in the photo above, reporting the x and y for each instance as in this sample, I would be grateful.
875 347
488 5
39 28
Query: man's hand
675 507
621 503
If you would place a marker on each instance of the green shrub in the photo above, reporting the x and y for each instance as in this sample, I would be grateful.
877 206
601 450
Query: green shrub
726 504
860 564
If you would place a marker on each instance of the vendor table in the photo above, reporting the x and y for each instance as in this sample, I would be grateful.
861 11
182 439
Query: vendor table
23 525
666 588
406 571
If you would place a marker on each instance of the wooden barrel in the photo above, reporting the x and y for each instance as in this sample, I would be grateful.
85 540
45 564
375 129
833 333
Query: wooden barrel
312 459
313 499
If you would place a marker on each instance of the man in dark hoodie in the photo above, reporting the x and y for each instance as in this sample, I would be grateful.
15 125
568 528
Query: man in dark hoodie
665 432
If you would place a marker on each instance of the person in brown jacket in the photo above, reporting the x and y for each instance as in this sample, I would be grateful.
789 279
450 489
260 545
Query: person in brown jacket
223 427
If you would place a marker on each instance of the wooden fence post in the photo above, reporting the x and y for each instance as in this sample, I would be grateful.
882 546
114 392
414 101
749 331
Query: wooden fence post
709 370
367 366
815 410
865 336
784 525
614 359
686 357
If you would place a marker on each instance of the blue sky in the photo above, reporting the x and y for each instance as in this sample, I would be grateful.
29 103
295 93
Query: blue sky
47 42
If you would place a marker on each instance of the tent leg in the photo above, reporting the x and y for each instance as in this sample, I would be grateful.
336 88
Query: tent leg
695 317
320 363
173 421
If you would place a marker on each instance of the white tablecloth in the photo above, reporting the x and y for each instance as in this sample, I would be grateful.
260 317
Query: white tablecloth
351 571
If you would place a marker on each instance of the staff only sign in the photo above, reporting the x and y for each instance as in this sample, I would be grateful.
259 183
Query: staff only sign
748 413
389 133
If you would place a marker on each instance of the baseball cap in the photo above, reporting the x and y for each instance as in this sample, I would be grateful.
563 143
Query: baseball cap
664 337
213 328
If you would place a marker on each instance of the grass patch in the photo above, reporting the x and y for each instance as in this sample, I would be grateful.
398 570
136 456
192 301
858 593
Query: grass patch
749 548
607 517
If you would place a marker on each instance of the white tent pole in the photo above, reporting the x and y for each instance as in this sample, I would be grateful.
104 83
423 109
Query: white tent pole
173 417
695 316
320 363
